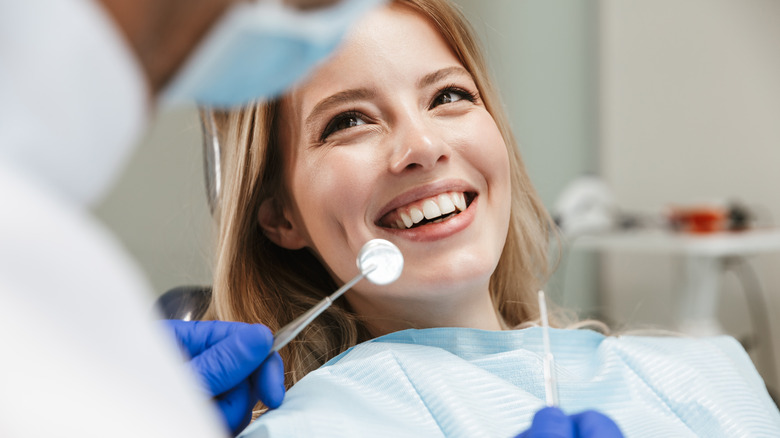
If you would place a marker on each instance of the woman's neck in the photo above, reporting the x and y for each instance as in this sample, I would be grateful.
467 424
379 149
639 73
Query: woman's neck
472 310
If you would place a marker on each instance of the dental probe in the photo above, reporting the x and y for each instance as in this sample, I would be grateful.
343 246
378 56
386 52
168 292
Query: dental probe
550 383
379 261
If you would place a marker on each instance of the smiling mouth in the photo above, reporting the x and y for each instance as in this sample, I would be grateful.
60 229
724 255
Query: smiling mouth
431 210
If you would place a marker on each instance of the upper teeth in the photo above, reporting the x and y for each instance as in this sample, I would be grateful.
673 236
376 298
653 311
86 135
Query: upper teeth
429 208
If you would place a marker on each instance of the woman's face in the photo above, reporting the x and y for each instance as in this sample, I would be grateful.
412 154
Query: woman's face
390 139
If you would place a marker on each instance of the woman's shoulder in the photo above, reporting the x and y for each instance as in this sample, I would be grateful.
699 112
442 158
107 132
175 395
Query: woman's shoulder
705 355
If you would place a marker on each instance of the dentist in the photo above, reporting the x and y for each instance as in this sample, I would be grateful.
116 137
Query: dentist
81 356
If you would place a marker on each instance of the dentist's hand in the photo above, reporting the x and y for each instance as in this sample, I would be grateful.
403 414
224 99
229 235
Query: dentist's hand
553 423
230 359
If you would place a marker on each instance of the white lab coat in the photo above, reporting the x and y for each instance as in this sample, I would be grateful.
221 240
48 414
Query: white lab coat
80 354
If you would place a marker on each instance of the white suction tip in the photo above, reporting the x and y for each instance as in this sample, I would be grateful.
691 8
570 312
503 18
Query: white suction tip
380 261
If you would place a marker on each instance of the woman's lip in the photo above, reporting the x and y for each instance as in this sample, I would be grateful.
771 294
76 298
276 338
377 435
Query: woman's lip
436 231
422 192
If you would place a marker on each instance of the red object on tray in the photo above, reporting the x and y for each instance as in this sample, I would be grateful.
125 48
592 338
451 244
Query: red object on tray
699 220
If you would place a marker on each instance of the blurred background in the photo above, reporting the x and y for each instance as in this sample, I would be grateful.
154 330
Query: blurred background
666 102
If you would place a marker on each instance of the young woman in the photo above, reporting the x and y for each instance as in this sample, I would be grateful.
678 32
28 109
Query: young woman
310 178
401 136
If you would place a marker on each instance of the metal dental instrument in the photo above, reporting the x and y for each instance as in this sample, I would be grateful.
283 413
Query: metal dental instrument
550 383
379 261
212 157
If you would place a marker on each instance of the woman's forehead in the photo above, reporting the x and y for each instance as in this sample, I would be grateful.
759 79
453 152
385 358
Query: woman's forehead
390 46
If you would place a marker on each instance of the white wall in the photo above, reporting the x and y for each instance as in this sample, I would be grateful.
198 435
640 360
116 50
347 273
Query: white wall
158 208
690 111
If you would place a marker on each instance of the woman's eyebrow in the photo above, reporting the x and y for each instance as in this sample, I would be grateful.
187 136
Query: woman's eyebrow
438 75
337 99
355 94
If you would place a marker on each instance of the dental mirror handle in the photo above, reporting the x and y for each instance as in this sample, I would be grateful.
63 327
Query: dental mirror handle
291 330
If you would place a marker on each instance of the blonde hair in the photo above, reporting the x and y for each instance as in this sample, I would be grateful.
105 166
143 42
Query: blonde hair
257 281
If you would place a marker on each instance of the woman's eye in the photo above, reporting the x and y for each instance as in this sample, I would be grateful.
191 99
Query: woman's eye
342 121
451 95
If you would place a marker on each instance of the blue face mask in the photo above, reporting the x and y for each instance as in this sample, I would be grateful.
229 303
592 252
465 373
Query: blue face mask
259 49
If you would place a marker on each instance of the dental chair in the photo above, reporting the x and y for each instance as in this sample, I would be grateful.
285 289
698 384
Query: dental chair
187 303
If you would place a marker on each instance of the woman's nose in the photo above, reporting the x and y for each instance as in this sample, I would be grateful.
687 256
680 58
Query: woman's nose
417 146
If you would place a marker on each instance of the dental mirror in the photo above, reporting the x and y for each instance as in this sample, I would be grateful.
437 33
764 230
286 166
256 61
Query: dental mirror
379 261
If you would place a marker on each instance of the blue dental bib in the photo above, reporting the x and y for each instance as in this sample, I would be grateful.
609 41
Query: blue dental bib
474 383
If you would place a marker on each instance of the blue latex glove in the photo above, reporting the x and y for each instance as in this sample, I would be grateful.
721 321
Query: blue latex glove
553 423
230 359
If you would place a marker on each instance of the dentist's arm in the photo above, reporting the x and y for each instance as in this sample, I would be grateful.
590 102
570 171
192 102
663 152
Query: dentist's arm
230 359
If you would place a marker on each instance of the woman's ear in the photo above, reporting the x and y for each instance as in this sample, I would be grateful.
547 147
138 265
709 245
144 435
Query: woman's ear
277 227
